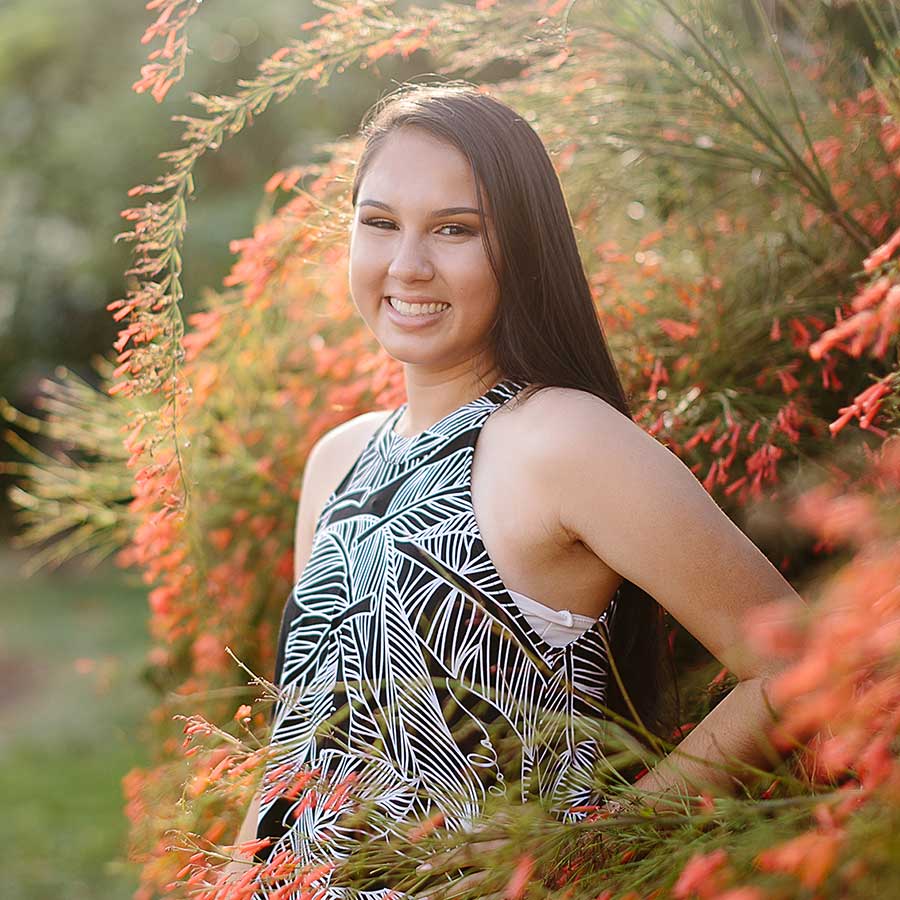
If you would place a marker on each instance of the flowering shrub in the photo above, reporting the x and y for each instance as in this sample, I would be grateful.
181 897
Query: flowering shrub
751 335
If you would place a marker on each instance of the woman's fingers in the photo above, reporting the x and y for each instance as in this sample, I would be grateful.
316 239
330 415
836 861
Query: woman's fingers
464 884
471 853
455 888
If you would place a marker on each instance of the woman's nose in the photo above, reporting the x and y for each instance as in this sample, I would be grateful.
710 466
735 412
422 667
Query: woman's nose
411 262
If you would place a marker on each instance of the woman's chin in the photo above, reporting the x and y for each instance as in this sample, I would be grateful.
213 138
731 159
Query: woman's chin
415 346
402 352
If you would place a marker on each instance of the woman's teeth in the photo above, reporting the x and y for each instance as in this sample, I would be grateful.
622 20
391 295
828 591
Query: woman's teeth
416 309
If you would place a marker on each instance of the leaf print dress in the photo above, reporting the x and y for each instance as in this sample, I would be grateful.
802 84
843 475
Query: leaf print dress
407 667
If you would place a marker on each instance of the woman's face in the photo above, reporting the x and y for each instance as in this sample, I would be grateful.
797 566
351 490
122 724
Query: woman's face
417 238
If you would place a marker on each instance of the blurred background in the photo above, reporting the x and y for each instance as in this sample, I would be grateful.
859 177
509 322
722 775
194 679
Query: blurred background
741 245
74 138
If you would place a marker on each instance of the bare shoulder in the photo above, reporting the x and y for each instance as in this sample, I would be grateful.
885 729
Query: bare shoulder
567 439
636 505
359 428
328 462
566 422
331 457
336 450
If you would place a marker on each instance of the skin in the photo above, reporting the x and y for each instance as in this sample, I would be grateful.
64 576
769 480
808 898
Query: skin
574 462
402 245
678 545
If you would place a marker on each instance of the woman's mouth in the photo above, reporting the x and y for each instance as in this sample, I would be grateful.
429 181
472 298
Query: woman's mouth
419 312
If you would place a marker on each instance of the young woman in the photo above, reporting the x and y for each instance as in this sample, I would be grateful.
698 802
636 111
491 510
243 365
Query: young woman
442 591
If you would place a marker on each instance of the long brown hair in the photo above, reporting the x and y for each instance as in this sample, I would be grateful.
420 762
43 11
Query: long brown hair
546 332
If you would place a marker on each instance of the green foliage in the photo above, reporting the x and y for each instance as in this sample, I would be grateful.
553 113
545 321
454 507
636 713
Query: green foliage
72 707
726 187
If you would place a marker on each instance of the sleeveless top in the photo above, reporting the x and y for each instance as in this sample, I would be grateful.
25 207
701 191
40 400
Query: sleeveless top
407 667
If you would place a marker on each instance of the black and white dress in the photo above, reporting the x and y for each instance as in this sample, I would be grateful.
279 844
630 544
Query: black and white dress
407 665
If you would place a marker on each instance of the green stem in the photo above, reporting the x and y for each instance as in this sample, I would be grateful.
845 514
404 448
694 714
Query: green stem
849 225
772 39
730 113
756 104
880 34
800 170
817 184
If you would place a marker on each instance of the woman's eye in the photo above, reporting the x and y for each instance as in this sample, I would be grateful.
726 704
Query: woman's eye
378 223
460 229
385 224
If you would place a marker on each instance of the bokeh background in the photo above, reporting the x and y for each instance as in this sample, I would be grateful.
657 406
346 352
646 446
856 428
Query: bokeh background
722 258
74 137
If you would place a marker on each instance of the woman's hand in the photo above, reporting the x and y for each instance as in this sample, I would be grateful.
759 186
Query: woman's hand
473 854
479 855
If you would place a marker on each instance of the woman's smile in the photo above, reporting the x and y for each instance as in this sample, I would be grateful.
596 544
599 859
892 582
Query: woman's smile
415 314
419 269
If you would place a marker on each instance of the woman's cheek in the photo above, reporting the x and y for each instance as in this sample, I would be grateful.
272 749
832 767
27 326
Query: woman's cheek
365 269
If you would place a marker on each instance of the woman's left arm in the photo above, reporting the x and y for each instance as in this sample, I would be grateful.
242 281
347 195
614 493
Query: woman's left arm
638 507
707 760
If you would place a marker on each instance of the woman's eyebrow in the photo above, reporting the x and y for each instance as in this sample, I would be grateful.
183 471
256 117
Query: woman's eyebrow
437 213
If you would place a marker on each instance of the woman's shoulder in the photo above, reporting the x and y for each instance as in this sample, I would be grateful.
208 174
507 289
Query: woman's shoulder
350 429
335 451
573 437
565 414
557 427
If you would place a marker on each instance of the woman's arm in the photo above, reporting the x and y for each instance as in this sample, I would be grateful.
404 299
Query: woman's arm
302 549
705 760
640 509
246 833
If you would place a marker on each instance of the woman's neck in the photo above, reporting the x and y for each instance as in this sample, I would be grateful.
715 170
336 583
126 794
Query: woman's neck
431 396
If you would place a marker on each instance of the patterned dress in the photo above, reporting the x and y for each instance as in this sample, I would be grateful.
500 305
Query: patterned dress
407 666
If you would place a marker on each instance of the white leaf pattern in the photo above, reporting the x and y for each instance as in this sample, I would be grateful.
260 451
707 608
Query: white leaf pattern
399 636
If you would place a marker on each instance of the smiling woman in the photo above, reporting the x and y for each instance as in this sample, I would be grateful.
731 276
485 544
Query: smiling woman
415 659
419 268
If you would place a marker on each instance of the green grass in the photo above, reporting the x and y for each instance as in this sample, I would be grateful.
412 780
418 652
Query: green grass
68 730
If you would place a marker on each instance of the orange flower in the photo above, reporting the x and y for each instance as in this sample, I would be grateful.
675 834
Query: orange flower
516 885
876 763
660 376
678 331
382 48
865 405
423 829
341 791
800 337
220 538
316 872
702 875
208 653
789 384
882 254
742 893
871 295
809 857
774 630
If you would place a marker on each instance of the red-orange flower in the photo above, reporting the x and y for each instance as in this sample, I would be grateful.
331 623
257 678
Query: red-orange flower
678 331
702 876
517 883
808 857
882 254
